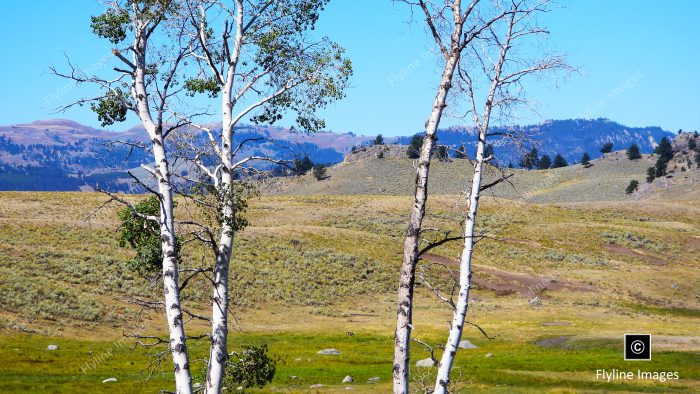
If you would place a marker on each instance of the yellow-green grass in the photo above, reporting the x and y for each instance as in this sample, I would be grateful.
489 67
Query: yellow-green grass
605 180
513 366
63 280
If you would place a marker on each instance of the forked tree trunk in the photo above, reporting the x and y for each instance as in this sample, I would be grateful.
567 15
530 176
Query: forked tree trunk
402 336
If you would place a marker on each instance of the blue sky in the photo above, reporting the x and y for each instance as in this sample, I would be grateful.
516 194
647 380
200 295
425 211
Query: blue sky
638 62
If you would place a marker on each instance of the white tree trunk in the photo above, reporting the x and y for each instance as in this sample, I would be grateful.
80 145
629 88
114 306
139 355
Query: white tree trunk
402 336
465 274
465 262
218 352
171 287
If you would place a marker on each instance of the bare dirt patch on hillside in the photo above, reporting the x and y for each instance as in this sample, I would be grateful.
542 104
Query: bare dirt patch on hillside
624 251
505 283
693 244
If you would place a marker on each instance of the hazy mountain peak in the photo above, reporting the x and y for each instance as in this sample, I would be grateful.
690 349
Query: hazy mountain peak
58 122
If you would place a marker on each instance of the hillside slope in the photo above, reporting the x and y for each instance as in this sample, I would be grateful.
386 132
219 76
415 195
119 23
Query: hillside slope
63 155
318 272
683 172
606 180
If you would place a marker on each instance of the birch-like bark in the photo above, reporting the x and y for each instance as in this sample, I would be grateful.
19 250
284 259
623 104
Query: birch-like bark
402 337
249 83
171 288
404 321
465 262
465 273
218 352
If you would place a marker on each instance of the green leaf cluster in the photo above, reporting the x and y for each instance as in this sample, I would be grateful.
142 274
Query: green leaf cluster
210 86
143 236
110 109
313 74
112 25
252 367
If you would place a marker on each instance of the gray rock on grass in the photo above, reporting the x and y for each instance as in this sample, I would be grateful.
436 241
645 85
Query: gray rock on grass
465 344
425 363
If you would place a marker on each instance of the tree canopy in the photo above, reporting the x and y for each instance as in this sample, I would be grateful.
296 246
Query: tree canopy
559 161
633 152
530 160
606 148
665 153
585 159
413 150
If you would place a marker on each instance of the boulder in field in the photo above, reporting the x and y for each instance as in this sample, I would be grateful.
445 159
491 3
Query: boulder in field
425 363
465 344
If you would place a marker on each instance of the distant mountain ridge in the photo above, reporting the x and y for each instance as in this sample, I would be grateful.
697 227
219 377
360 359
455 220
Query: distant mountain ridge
570 138
60 154
63 155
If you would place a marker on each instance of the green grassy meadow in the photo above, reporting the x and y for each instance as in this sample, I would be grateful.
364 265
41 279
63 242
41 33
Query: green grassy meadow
315 272
519 367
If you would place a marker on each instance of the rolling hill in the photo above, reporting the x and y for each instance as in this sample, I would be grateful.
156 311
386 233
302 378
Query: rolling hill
317 267
317 272
605 180
62 155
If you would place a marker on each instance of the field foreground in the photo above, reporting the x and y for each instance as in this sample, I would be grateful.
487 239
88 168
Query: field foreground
318 272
